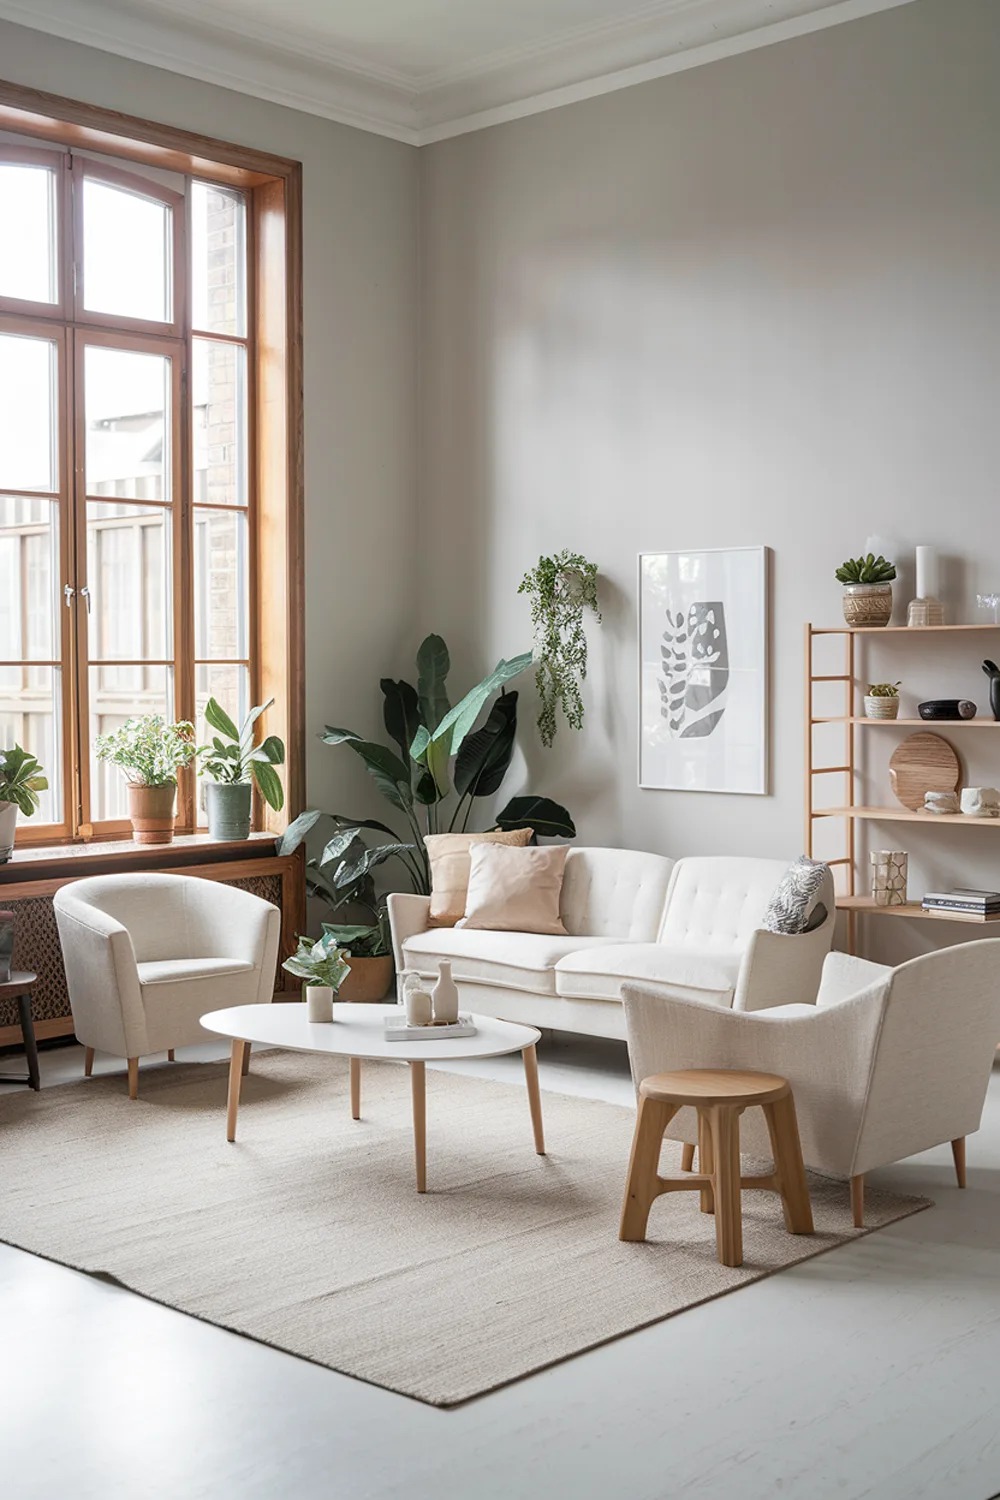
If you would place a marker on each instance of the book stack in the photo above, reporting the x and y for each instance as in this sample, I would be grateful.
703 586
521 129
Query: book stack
983 906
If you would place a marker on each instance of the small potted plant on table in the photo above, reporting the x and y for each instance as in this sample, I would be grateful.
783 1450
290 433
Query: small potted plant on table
867 589
233 766
150 752
324 967
882 700
21 780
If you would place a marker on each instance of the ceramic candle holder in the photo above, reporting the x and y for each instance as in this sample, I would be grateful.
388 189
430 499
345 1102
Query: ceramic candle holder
889 871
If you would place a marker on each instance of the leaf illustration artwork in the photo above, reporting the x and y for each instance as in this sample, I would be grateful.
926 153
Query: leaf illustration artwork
695 677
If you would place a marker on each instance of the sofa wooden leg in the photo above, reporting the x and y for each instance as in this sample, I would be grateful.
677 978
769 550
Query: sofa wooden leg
687 1157
858 1200
88 1062
170 1055
958 1152
133 1078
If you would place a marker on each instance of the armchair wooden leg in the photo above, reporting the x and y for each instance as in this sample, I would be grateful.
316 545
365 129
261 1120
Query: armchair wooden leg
643 1183
858 1200
958 1152
88 1062
133 1078
687 1157
170 1055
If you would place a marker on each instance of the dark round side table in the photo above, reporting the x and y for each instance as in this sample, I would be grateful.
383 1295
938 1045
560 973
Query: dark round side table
18 987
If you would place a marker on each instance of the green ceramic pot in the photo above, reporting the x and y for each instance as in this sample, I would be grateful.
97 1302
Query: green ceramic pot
228 807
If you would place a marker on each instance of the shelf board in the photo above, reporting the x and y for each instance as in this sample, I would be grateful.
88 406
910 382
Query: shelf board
898 629
934 725
910 909
903 815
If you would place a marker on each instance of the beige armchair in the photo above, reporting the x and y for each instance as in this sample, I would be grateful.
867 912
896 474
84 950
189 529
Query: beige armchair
148 955
887 1063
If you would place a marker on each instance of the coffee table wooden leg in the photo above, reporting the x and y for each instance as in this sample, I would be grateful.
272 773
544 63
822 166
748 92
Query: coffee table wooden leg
355 1088
235 1080
534 1097
419 1089
726 1167
246 1058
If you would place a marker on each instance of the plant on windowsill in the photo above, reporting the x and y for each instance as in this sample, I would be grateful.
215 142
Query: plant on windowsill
150 752
21 780
560 588
323 965
234 766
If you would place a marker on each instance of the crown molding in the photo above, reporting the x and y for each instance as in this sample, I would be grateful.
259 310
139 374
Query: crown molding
304 73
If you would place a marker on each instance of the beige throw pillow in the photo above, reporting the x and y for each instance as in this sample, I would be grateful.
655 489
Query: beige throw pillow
515 890
449 857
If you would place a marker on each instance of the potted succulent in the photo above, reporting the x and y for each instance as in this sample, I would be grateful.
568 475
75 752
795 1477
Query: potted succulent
233 766
323 966
21 780
882 700
867 589
150 752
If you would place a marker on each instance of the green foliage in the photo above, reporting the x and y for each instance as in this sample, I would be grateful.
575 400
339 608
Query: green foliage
870 569
232 756
320 961
445 763
21 779
560 588
148 749
884 689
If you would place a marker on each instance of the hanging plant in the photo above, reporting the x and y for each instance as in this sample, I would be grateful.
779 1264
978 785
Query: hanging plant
560 588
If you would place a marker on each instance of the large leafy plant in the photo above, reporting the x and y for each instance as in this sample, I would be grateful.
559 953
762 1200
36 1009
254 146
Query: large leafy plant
21 779
232 756
445 764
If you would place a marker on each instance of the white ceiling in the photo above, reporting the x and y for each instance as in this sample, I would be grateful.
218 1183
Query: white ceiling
422 70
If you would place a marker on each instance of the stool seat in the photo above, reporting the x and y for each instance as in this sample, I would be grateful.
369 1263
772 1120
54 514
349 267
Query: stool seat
707 1086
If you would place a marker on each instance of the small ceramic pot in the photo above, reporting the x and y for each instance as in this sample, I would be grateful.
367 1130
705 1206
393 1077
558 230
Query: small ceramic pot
419 1011
881 708
228 806
889 869
319 1004
8 822
867 603
151 809
369 980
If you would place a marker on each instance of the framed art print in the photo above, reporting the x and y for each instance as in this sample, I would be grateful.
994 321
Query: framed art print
703 670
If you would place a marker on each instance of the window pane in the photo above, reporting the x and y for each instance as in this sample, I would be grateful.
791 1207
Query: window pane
218 259
116 694
128 571
28 406
229 686
219 395
30 716
126 253
221 585
29 576
28 252
127 407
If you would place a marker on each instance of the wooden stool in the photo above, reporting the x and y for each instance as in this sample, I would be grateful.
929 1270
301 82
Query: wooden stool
720 1097
18 987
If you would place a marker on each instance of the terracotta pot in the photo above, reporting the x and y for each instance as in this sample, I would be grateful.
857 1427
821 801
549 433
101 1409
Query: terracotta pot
369 980
151 809
867 603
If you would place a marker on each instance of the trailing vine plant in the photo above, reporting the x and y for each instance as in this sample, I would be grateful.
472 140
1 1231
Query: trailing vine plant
560 588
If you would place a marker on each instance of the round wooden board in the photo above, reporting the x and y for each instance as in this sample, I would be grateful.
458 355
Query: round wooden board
923 763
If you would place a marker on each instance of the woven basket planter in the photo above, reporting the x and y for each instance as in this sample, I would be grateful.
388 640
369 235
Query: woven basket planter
867 603
881 708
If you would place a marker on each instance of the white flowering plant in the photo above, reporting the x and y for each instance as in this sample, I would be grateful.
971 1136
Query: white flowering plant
149 750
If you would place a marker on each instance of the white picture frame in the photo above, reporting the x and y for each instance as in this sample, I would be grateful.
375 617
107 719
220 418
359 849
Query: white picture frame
703 670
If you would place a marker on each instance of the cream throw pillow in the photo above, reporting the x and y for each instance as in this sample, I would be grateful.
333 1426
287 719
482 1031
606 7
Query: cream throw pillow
449 857
515 890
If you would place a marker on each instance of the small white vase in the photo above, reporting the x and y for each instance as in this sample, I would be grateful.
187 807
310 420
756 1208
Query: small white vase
418 1006
445 995
8 820
319 1003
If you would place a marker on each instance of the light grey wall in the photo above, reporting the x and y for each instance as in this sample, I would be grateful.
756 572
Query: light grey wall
360 259
758 302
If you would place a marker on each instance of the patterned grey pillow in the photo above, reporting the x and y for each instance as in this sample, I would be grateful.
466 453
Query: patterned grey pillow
791 907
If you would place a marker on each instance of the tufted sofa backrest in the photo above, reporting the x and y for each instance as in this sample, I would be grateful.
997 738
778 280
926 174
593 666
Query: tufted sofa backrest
715 902
614 893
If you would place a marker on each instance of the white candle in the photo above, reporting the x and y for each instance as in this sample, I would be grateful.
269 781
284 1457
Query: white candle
927 573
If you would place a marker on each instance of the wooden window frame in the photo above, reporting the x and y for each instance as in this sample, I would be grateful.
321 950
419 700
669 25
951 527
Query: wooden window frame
273 188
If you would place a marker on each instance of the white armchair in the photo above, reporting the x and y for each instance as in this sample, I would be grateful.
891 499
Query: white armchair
889 1062
148 955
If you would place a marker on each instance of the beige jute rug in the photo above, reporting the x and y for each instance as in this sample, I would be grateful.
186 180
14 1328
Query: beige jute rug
307 1233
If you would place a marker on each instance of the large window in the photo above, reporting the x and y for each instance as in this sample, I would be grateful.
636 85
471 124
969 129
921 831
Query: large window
128 468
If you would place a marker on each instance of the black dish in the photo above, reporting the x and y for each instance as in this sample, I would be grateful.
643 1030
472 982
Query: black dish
947 708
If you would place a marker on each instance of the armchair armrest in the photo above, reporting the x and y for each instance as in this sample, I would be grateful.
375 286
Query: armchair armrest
783 969
101 977
407 916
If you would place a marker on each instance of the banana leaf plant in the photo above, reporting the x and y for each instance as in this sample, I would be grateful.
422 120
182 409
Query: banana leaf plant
444 765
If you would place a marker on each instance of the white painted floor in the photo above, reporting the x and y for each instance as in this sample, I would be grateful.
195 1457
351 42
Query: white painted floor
872 1371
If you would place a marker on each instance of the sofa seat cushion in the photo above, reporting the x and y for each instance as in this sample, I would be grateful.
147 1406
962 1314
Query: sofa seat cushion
599 973
514 960
184 970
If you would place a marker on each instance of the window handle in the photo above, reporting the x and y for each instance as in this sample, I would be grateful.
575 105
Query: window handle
69 593
85 594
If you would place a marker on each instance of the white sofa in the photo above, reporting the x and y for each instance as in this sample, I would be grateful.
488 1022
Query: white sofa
688 928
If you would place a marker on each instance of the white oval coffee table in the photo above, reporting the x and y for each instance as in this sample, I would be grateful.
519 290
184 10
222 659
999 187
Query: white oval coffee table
356 1032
